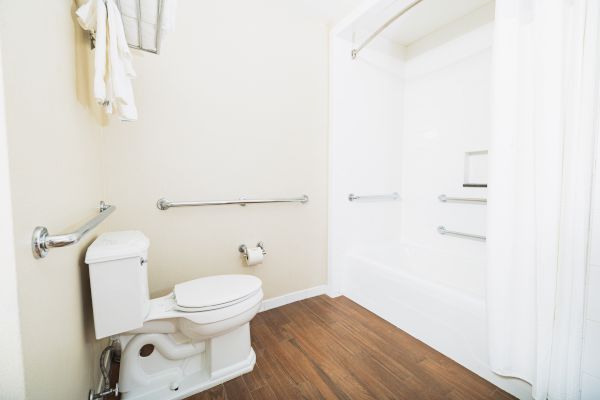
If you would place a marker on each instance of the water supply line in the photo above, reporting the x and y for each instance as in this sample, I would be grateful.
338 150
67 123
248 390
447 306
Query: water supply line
106 390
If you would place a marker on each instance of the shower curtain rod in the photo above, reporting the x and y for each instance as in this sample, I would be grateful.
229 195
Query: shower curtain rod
383 27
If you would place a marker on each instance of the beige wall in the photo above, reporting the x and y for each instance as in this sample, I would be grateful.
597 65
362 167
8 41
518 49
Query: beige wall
12 382
54 154
236 104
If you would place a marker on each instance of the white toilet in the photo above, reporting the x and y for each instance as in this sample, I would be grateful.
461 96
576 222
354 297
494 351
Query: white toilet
198 336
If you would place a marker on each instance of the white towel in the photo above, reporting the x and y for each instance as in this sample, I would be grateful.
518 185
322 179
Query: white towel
148 12
113 70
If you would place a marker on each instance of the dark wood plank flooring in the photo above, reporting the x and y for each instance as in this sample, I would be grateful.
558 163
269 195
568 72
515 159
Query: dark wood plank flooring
323 348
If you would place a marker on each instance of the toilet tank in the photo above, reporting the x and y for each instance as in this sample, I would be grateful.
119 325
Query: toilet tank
119 281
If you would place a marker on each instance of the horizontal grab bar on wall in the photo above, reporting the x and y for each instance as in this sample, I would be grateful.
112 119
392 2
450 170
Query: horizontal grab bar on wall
164 204
444 198
392 196
42 241
443 231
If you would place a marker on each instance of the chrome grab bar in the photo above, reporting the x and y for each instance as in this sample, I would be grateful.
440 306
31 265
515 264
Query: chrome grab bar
392 196
42 241
443 231
443 198
164 204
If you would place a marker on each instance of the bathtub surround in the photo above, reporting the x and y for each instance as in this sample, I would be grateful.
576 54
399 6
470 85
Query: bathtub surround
363 99
539 207
388 256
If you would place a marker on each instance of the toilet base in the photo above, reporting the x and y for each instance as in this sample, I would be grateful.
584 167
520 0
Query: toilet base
198 382
177 368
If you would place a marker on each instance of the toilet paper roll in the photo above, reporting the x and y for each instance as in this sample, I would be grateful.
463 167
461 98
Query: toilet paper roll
255 256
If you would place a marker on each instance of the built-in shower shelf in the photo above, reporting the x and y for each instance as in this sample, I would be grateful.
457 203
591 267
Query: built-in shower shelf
476 168
475 185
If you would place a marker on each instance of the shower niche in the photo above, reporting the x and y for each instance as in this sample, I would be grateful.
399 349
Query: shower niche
476 169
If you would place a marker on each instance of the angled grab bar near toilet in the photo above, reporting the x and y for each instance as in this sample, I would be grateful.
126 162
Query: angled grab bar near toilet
374 197
444 199
42 241
443 231
164 204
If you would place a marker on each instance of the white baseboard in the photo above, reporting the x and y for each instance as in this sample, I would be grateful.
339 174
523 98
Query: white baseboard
293 297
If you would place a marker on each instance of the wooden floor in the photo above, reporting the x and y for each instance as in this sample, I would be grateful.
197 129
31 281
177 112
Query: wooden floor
323 348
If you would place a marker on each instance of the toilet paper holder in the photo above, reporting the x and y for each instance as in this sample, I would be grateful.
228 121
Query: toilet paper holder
244 249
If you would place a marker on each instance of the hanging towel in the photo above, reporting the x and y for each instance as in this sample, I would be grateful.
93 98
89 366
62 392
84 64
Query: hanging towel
148 10
113 70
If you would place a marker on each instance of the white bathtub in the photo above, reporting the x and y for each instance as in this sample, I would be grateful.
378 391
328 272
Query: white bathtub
437 298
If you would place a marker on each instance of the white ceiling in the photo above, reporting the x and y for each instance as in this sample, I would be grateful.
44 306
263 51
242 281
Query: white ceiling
424 18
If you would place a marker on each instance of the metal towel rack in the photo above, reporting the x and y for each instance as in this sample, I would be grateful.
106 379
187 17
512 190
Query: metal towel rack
443 231
164 204
140 46
159 9
392 196
42 241
443 198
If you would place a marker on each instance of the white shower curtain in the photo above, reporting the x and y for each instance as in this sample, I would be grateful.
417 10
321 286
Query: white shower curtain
545 107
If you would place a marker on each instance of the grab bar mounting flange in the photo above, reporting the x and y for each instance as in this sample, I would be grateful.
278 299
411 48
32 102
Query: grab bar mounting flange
42 241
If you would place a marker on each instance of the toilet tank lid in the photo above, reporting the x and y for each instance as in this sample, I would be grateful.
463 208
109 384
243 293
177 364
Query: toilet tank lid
117 245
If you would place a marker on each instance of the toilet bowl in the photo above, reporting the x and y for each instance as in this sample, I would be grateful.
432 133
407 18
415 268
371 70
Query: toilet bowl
194 338
205 307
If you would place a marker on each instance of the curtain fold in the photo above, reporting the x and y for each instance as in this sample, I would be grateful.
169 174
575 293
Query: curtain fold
544 121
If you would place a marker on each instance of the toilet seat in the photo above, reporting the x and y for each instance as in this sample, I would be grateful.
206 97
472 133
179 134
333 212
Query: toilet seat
164 308
237 295
214 292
